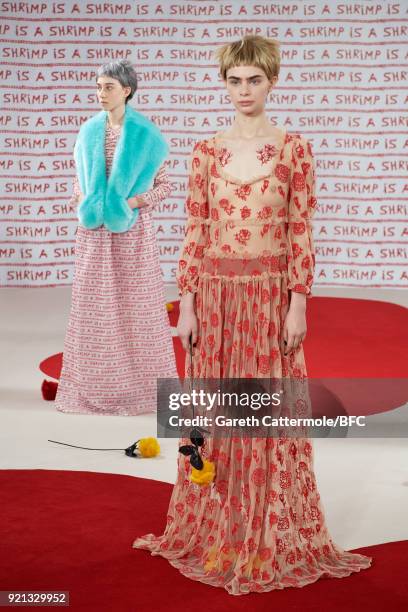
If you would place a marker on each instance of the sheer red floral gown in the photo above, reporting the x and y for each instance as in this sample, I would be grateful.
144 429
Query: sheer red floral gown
260 525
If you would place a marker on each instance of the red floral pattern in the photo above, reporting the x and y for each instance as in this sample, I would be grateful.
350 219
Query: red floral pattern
243 192
245 212
266 153
224 156
260 525
282 173
243 236
227 206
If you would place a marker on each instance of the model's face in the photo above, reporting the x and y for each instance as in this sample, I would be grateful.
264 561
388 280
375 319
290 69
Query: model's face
111 94
248 87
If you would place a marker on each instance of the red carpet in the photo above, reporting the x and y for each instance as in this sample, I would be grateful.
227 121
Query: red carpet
347 339
73 531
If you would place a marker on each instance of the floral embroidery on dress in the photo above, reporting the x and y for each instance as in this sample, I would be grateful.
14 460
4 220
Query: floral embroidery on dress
245 212
224 156
282 173
267 152
265 212
227 206
243 236
243 191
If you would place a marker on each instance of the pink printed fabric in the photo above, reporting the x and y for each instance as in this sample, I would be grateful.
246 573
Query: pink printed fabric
260 525
118 339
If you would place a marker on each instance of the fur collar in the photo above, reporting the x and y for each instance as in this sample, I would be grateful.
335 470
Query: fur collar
139 153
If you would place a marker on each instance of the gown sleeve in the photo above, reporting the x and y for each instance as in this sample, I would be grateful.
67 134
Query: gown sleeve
76 192
196 229
302 204
161 189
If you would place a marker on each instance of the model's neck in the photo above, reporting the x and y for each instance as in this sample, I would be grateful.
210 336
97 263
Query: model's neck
250 127
116 115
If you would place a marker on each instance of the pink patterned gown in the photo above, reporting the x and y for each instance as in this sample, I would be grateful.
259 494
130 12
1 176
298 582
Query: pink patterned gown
260 525
118 340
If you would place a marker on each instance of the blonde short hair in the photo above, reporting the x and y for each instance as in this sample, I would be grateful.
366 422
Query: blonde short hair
252 50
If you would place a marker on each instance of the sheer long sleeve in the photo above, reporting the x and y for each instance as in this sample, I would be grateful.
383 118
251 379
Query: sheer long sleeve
161 189
76 193
302 204
196 237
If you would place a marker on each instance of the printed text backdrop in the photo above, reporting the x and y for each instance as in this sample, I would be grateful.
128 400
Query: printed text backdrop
343 85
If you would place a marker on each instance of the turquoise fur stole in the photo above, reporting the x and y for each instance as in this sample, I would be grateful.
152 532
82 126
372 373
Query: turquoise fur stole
139 153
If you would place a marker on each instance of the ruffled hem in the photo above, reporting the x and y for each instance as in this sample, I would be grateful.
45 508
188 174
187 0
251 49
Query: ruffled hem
102 412
339 564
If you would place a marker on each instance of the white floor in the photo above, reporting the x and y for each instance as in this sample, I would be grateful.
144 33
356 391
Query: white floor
363 483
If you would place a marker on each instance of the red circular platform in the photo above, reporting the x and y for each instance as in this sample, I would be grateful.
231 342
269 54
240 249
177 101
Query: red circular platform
357 349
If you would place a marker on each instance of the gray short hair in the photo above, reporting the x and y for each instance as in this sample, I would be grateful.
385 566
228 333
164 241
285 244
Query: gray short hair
122 71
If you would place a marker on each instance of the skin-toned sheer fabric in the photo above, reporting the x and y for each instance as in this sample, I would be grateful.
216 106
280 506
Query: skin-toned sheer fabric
260 525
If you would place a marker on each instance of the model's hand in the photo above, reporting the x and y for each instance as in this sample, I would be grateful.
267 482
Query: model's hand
137 202
294 329
187 323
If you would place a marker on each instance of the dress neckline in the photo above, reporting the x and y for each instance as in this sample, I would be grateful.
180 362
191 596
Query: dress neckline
218 137
233 179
